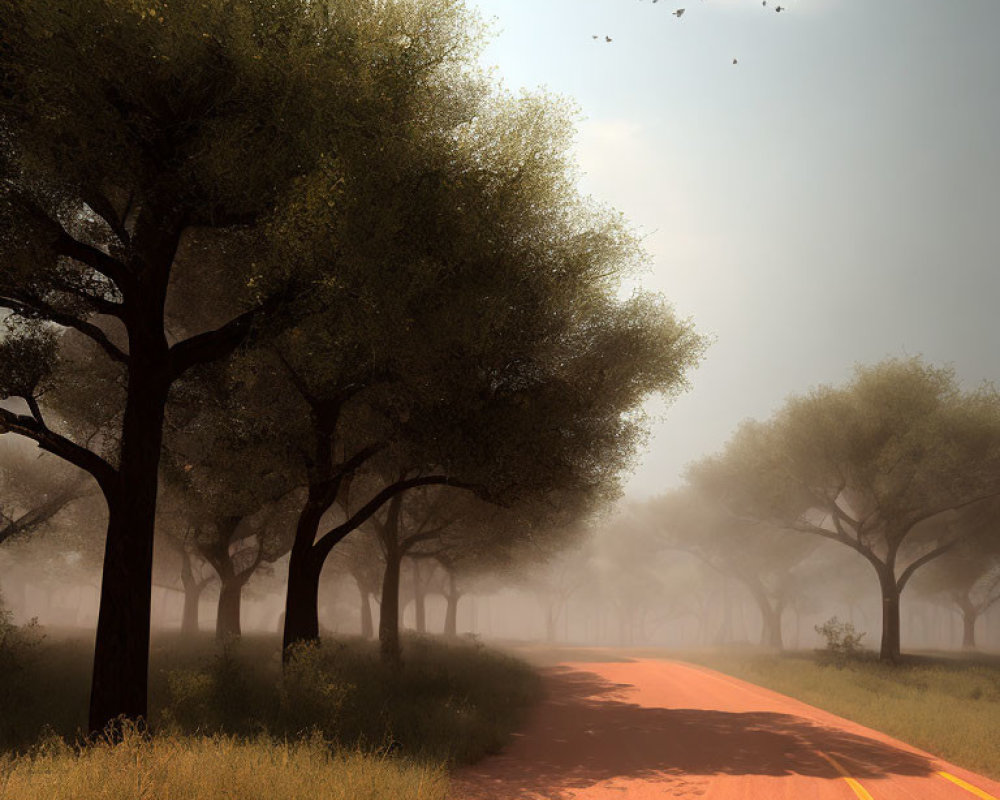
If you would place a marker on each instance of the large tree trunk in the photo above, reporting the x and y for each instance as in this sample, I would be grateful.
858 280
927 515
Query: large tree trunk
889 649
302 600
121 651
302 592
388 622
227 617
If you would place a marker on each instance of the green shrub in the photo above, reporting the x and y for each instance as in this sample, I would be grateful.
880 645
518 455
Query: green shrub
311 694
843 643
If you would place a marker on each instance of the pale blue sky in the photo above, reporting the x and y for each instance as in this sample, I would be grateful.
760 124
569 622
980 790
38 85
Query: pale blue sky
833 198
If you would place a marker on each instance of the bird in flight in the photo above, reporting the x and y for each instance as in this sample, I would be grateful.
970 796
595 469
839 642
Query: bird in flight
679 13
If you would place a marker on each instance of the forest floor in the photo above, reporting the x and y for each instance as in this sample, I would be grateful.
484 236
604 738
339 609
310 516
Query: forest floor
614 728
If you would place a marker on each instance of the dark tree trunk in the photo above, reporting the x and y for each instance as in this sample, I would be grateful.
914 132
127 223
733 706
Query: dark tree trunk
419 599
388 622
970 614
889 648
302 599
192 596
121 651
227 617
302 592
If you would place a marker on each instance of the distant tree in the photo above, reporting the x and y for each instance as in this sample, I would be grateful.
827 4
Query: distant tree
360 556
762 557
879 465
969 573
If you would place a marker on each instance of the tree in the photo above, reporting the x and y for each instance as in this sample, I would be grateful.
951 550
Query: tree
880 466
233 491
32 491
214 134
759 555
490 352
359 555
131 132
969 573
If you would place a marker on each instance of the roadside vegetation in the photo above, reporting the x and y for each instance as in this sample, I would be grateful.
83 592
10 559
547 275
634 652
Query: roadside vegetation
203 767
338 720
946 705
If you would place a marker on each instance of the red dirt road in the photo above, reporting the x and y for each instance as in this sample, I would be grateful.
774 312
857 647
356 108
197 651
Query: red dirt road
661 729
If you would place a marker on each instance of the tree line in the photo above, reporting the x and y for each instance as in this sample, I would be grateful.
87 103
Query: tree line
275 271
888 481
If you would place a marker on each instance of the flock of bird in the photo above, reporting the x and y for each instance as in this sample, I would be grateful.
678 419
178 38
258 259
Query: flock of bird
679 12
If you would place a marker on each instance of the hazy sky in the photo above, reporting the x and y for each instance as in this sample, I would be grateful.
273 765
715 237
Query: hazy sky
833 198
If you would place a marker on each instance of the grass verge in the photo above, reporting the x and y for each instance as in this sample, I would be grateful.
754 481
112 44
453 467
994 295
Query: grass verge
210 768
947 706
226 722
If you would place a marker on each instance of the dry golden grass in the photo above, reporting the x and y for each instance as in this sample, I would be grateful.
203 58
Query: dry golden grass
947 706
173 767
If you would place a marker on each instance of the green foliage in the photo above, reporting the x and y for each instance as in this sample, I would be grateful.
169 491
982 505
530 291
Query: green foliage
221 697
27 358
843 643
18 650
311 696
450 702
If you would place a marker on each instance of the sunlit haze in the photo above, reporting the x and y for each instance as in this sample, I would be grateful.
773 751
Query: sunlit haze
830 199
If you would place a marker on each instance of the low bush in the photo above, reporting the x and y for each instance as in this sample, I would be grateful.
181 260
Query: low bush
451 702
843 642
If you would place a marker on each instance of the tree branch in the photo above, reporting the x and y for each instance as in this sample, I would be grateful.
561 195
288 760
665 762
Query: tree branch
918 563
215 344
33 308
66 245
59 445
328 540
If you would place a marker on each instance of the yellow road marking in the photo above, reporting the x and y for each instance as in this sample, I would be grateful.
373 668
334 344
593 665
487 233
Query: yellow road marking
859 790
967 786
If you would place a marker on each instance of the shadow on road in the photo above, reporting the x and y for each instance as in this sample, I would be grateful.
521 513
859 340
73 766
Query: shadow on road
585 734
